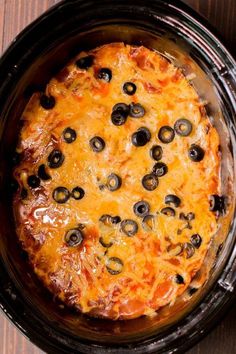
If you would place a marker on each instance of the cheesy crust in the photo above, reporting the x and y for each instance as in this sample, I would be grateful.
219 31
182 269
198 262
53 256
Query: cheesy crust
158 262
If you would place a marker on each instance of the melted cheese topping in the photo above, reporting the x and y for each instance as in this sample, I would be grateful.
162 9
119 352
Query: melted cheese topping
151 261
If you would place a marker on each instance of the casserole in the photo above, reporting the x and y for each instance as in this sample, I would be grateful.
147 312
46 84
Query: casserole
155 14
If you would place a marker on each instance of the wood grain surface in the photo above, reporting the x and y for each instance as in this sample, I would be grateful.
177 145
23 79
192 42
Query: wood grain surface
14 16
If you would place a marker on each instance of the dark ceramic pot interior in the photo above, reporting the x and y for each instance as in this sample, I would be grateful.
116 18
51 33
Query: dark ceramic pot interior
36 55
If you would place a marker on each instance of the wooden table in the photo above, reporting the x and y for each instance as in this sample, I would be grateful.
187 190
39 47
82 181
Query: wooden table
14 16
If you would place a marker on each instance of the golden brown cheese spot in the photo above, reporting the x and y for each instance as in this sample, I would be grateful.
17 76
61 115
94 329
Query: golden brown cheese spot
97 267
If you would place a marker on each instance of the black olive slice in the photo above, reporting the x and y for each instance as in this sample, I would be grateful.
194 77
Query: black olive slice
55 159
47 102
85 62
217 203
149 222
189 249
129 88
156 152
196 153
129 227
141 137
196 240
121 107
113 182
42 173
115 219
97 144
118 117
74 237
141 208
105 244
69 135
183 127
150 182
160 169
105 74
33 181
114 265
179 279
166 134
77 193
61 195
136 110
172 199
168 211
119 113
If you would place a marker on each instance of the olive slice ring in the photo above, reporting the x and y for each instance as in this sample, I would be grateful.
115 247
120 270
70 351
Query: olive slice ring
69 135
156 152
129 227
55 159
141 208
114 265
166 134
77 193
136 110
97 143
113 182
183 127
61 195
172 199
105 74
160 169
141 137
129 88
168 211
150 182
74 237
